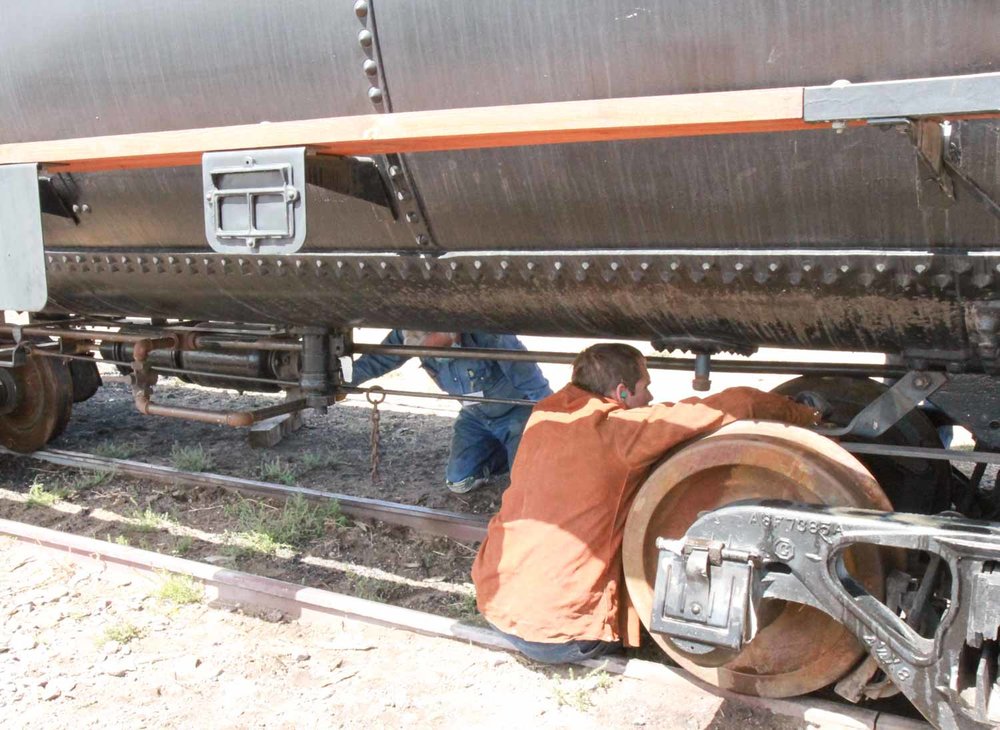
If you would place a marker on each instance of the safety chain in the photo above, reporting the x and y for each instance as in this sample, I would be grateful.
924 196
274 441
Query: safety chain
375 395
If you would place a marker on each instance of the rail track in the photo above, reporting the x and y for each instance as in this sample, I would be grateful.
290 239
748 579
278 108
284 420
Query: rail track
458 526
227 587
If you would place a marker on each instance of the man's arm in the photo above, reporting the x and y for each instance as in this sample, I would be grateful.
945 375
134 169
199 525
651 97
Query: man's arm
371 366
525 376
642 435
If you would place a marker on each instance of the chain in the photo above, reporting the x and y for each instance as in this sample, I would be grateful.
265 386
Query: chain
375 395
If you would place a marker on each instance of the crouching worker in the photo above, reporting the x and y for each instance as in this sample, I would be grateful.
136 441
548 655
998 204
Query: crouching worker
486 435
549 573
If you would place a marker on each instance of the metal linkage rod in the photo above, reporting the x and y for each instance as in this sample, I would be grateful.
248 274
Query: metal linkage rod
440 396
653 363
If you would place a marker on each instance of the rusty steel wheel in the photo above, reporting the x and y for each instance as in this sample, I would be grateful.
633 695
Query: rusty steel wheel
798 649
42 407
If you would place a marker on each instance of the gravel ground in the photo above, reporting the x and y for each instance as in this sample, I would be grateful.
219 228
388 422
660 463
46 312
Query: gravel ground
90 645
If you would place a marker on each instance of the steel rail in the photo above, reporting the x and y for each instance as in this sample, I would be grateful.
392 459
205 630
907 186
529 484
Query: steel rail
456 525
315 604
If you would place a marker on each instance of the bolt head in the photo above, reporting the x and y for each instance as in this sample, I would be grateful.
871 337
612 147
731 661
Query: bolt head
696 608
375 94
361 8
365 38
370 67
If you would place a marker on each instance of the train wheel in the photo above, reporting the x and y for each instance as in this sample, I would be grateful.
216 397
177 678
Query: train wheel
912 485
39 400
798 649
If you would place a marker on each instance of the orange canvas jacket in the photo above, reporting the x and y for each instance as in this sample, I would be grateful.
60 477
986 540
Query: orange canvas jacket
549 569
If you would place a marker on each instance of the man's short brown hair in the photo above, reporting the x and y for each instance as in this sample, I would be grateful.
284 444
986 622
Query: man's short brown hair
600 368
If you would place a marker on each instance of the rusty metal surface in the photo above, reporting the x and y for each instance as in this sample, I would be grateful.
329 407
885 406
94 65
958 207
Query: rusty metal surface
798 649
839 299
43 406
464 527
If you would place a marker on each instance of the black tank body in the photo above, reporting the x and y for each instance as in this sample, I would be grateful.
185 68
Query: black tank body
803 239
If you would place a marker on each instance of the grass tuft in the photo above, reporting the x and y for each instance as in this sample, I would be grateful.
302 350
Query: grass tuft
190 458
180 590
465 607
148 520
41 496
313 460
116 449
122 632
183 545
266 529
276 470
91 479
578 692
373 589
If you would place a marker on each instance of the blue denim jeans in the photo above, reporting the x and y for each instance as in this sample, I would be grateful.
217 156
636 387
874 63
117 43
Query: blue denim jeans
562 653
483 446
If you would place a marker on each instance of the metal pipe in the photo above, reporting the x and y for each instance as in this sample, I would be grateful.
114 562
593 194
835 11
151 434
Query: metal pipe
234 419
209 342
69 334
653 363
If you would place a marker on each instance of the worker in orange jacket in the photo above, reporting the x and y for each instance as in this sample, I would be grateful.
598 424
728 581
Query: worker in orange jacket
548 574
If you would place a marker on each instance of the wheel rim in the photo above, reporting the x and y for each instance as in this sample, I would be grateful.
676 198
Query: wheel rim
45 401
800 649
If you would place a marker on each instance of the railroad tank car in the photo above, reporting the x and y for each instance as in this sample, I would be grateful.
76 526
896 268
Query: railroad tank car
870 224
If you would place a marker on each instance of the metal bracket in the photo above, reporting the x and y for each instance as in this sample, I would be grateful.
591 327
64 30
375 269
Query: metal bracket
889 408
357 177
950 676
945 96
23 285
59 196
702 596
937 146
255 200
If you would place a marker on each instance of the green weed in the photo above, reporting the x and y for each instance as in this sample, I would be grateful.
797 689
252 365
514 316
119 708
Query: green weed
277 471
465 607
578 692
118 539
313 460
180 590
116 449
373 589
183 545
190 458
147 520
265 529
122 632
41 496
91 479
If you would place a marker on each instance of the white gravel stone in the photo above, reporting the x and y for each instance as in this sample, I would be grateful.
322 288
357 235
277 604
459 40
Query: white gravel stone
22 642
